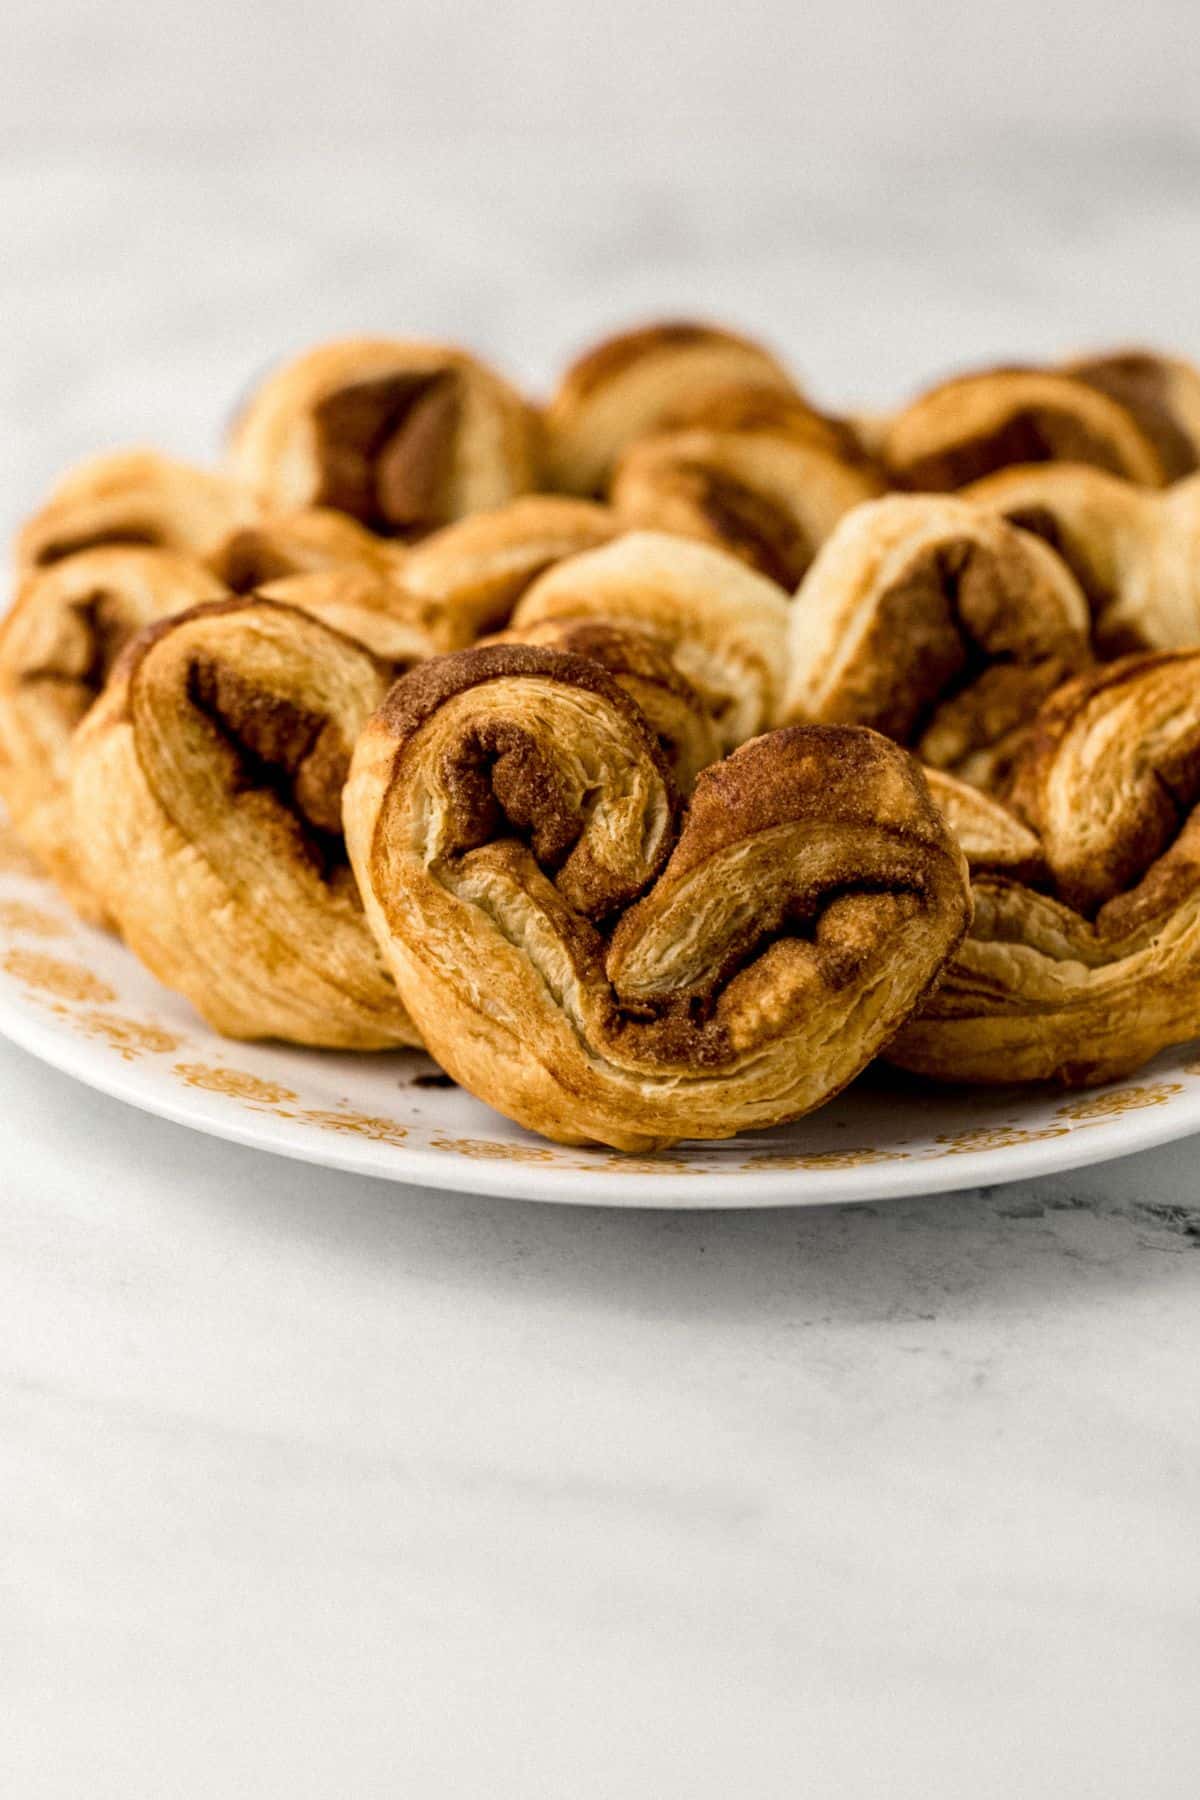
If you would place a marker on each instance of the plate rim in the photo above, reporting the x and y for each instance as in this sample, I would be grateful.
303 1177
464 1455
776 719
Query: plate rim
1106 1140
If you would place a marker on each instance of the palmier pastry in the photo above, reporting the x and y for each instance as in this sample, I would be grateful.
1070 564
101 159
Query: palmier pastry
207 787
1134 551
300 543
1161 392
630 384
478 569
595 970
768 496
724 627
402 435
397 626
937 624
1084 956
135 497
970 426
57 645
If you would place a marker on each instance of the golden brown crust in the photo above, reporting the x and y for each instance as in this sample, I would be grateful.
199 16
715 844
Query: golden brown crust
306 542
206 792
134 497
595 972
929 620
628 384
403 436
1161 392
723 626
477 570
1080 968
373 608
769 496
1134 551
968 427
57 646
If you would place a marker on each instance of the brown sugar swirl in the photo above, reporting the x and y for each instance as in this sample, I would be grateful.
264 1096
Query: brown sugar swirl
206 788
599 964
1083 959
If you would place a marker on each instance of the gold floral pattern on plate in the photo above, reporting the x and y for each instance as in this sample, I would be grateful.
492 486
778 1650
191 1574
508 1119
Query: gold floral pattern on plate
995 1137
130 1038
354 1124
63 980
234 1083
496 1150
17 915
861 1158
1122 1100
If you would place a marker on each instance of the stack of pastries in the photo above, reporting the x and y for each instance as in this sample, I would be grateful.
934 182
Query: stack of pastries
655 757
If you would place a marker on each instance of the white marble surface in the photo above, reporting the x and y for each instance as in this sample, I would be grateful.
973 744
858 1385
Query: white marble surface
313 1487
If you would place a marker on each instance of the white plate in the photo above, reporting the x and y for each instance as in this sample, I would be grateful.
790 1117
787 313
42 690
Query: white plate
76 998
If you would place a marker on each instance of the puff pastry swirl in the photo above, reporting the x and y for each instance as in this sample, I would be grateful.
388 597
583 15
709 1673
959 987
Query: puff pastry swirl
206 786
57 645
135 497
1083 959
941 625
598 971
403 436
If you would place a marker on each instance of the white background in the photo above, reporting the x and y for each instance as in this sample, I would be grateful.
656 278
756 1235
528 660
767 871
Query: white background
310 1487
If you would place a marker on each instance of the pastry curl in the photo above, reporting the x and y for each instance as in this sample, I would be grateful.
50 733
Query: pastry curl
594 971
939 625
1161 392
628 385
477 570
398 627
1135 552
1085 961
206 786
968 427
403 436
300 543
66 628
724 627
768 496
135 497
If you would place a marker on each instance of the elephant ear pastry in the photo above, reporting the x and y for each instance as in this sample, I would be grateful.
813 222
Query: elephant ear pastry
477 570
938 624
1161 392
1082 966
306 542
629 385
723 626
57 646
769 497
966 428
403 436
1134 551
135 497
206 786
597 966
398 627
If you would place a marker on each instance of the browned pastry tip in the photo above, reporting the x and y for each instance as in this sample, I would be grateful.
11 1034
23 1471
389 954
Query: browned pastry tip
629 384
399 627
769 497
403 436
206 793
723 626
58 644
134 497
476 571
598 971
972 425
306 542
1135 551
1161 392
1083 964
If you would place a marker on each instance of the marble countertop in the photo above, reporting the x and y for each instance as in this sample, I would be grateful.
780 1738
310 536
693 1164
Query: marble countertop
311 1486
